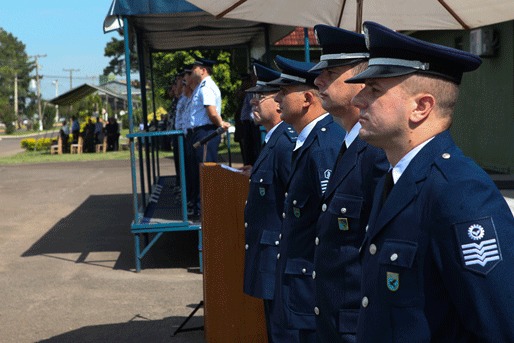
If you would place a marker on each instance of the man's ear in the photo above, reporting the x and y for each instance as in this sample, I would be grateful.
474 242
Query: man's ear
424 104
308 98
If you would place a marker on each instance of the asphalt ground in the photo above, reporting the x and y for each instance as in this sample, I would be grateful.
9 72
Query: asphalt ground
67 259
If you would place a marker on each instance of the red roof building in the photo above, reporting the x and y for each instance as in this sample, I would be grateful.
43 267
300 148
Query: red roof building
296 38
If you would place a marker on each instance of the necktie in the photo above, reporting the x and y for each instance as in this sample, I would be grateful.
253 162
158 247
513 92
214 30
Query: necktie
388 186
295 154
340 155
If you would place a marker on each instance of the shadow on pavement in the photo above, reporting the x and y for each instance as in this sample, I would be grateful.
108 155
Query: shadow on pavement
138 329
99 231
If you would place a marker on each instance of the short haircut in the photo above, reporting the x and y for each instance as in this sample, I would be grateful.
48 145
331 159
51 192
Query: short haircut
445 92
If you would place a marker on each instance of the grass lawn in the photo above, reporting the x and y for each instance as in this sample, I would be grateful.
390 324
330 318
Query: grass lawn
30 157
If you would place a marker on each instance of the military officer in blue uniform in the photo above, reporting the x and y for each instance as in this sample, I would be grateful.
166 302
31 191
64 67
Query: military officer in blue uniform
205 119
438 263
263 212
346 203
314 156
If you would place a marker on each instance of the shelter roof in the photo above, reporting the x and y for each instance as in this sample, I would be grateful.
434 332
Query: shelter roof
80 92
173 25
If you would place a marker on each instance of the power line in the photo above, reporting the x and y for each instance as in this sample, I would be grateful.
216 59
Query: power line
71 75
67 77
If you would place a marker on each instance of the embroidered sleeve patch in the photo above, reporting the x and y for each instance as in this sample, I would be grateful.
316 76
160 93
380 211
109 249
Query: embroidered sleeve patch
478 245
325 177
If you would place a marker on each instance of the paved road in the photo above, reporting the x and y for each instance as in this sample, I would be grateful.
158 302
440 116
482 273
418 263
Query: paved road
10 145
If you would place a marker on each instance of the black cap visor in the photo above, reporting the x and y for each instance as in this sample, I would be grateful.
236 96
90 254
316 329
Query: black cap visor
282 81
263 89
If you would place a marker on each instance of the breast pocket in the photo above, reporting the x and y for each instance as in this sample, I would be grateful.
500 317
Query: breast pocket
399 282
297 204
299 286
346 211
268 251
261 182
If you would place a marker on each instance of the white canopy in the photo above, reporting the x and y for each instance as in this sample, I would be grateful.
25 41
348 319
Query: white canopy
396 14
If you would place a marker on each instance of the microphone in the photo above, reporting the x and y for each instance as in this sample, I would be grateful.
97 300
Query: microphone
210 136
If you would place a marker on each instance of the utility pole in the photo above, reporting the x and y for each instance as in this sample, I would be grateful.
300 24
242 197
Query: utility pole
71 76
56 83
16 98
40 114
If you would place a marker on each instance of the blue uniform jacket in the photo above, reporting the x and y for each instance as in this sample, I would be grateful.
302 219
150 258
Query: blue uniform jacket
310 173
263 212
438 262
340 230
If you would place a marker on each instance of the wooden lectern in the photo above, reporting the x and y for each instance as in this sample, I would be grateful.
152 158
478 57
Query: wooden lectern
230 315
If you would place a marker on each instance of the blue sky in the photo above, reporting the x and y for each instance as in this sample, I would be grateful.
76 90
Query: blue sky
69 32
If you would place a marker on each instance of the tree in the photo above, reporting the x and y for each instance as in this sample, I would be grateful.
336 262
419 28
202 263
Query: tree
167 65
115 49
14 63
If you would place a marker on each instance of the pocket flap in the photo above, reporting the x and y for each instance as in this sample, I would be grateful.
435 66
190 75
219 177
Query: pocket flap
298 266
264 177
300 200
270 237
398 253
346 206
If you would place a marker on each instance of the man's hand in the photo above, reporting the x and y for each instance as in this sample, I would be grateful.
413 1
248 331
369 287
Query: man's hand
246 170
225 125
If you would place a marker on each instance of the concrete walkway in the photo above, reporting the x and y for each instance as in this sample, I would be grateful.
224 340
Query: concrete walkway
67 262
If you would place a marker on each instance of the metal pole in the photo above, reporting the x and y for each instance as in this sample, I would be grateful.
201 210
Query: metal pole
131 123
307 46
